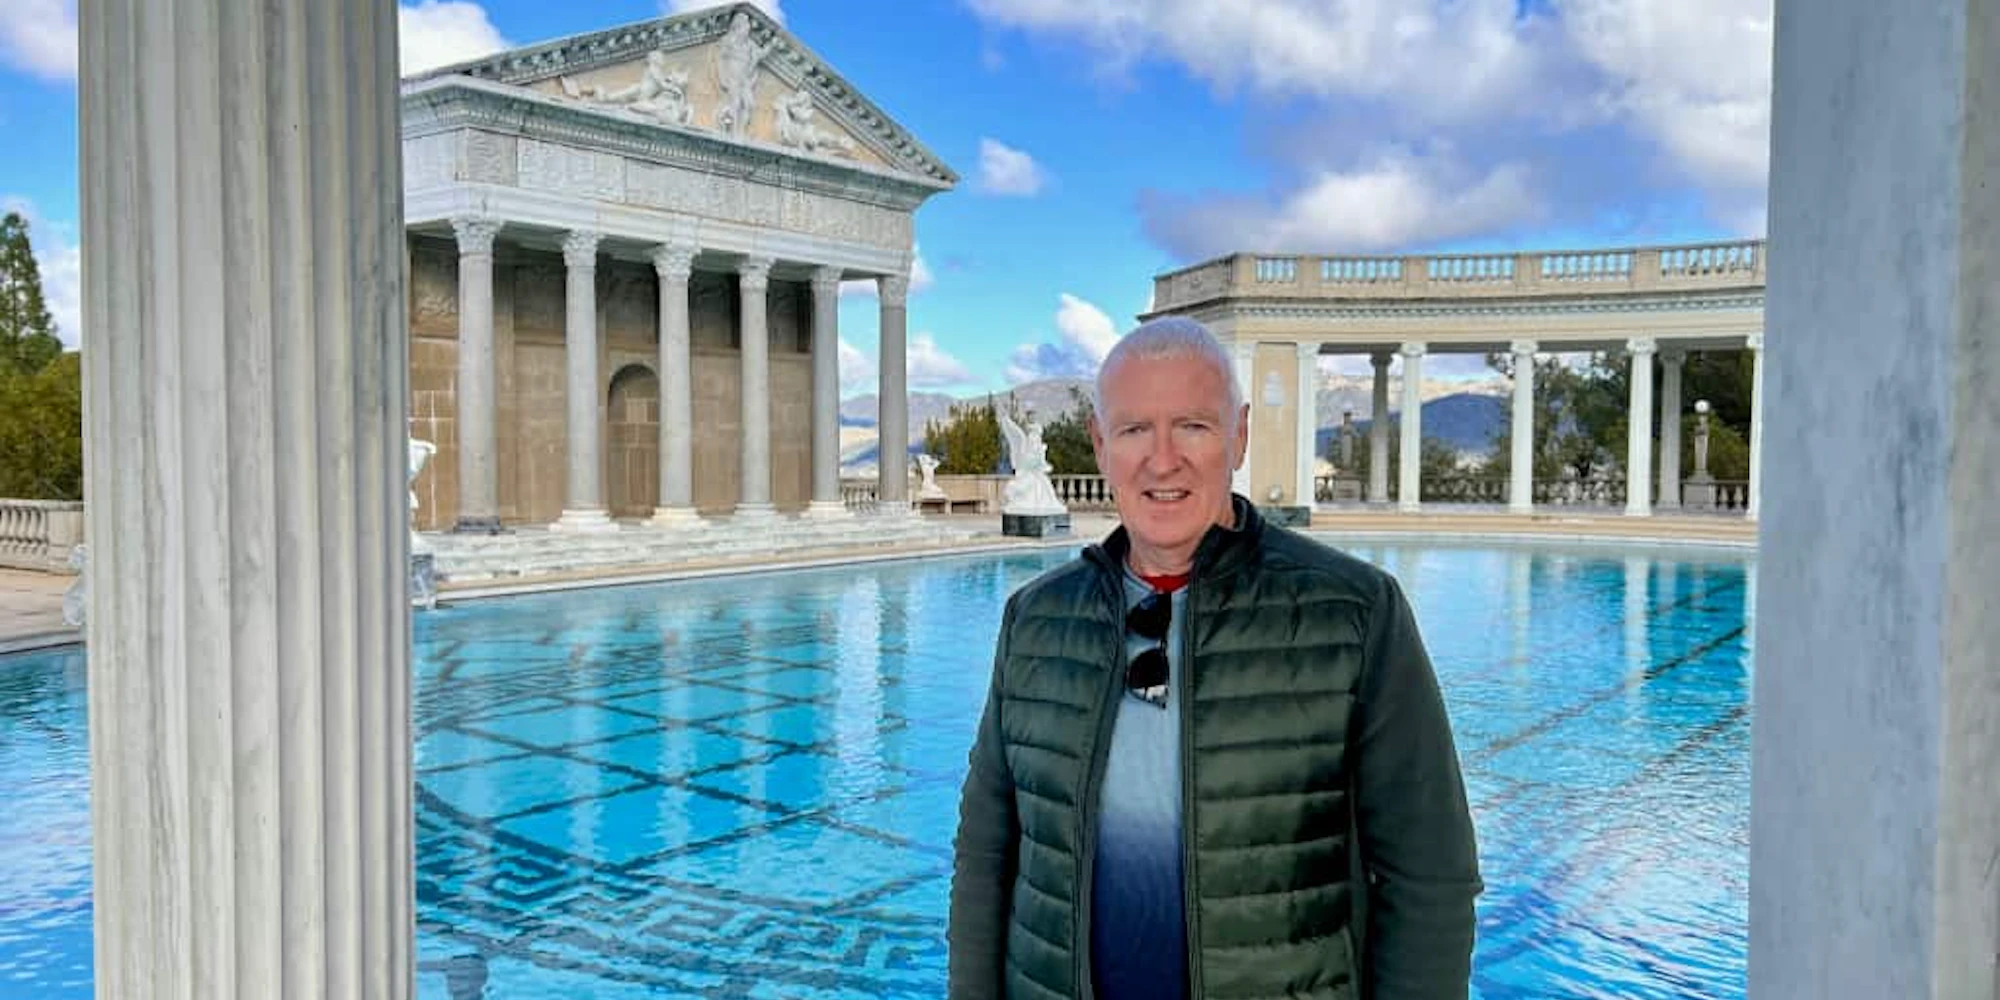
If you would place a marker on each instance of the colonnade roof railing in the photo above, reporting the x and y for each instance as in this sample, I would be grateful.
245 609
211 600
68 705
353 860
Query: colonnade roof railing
1615 270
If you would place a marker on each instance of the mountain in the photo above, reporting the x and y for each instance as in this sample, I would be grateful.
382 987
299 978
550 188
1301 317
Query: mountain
1464 413
1467 421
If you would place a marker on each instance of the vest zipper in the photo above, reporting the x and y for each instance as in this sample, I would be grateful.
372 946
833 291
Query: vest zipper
1087 810
1184 703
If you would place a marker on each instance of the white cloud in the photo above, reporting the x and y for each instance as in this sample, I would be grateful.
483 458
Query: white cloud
39 37
1695 75
438 33
931 367
1449 58
771 7
858 371
1392 202
921 277
1004 170
60 262
1087 335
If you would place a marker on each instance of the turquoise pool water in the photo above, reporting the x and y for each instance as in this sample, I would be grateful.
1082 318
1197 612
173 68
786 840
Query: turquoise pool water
747 787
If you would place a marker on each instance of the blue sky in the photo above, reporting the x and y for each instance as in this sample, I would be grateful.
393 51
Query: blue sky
1102 141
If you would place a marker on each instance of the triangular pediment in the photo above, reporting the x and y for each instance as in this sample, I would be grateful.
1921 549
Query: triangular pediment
727 72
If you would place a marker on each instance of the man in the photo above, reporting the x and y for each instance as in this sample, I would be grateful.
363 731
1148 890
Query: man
1213 761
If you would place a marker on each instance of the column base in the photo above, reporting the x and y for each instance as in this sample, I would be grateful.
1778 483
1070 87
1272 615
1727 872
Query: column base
754 513
1638 510
676 517
1520 508
826 510
483 525
894 509
1409 506
585 522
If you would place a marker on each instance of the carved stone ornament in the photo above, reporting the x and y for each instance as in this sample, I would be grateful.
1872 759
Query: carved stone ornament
661 93
795 112
736 61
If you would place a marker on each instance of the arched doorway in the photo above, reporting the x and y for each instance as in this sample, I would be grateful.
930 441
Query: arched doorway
632 425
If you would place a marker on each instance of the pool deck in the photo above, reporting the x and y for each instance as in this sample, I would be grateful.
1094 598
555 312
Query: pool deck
31 603
31 611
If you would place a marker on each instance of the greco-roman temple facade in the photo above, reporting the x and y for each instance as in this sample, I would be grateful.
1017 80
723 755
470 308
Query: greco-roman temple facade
626 250
1281 313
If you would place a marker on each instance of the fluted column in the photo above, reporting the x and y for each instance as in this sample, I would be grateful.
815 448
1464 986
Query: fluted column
754 275
1521 460
583 500
1409 488
1306 496
1639 430
826 500
1755 344
674 264
893 446
1246 364
246 393
1378 431
478 426
1670 428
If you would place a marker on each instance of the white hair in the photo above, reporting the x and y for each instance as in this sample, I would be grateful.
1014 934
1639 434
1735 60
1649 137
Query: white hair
1169 337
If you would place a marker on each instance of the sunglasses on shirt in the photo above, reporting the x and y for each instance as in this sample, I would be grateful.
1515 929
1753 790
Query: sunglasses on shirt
1146 675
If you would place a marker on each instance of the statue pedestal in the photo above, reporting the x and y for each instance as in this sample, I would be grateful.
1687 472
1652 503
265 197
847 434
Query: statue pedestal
1698 493
423 580
1034 525
1290 517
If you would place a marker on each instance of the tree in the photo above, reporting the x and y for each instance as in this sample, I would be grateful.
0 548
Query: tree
1437 461
41 431
27 334
1068 439
968 442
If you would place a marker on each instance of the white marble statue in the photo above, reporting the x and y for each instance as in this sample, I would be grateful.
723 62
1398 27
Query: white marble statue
930 490
795 112
736 59
1030 491
419 454
660 94
76 600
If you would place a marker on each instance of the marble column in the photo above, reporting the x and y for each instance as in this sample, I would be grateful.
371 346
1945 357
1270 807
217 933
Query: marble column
674 264
754 280
1639 430
1521 457
1378 431
1246 369
1755 344
893 490
1306 495
1671 363
1409 487
583 499
1875 795
474 396
245 421
826 500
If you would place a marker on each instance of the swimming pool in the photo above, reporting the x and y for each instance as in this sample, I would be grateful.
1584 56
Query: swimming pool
747 787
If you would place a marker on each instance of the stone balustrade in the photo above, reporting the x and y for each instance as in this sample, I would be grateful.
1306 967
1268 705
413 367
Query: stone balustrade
1618 269
39 534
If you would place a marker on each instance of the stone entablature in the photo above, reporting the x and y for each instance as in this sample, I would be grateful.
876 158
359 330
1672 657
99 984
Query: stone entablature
1657 274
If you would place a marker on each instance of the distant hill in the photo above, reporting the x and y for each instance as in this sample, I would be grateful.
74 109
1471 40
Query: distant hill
1466 421
1464 414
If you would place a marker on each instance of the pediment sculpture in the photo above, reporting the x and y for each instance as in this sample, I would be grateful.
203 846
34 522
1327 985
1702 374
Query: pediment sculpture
1030 491
736 59
660 94
795 113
